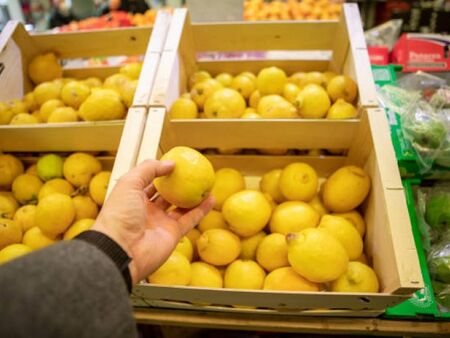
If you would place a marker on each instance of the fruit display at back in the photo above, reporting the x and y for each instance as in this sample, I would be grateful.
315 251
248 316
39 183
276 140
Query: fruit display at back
270 94
58 99
54 199
295 231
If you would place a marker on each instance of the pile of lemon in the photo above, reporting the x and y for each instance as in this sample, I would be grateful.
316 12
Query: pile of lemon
295 232
54 199
56 99
269 94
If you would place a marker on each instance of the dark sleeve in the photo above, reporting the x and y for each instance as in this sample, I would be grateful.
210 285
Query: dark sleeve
70 289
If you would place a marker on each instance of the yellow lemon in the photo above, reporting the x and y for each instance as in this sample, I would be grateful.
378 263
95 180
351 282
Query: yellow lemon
54 214
316 255
225 79
356 219
293 216
250 113
203 90
244 274
244 85
249 75
48 107
272 252
23 118
228 181
317 78
10 168
247 212
102 104
127 92
224 103
10 232
185 247
213 220
44 67
79 168
342 110
275 107
271 80
30 102
299 79
269 185
13 251
116 82
24 217
346 189
26 188
254 99
175 271
183 108
74 93
193 235
298 182
205 275
329 76
286 279
85 207
357 278
63 114
131 70
8 206
218 247
17 106
190 181
290 92
249 245
78 227
32 170
269 198
56 185
312 102
318 206
50 166
342 87
98 186
46 91
197 77
35 239
6 114
93 82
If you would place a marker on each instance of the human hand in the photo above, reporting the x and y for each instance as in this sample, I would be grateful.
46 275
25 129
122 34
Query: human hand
136 218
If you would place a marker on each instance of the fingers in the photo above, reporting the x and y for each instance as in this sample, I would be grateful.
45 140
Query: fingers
161 203
143 174
193 217
150 191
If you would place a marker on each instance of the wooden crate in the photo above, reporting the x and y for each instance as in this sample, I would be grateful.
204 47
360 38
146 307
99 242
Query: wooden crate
388 243
17 48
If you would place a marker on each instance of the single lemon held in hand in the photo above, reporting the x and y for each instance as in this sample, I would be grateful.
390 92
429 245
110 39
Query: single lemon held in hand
228 181
190 181
175 271
286 279
293 216
272 252
357 278
298 182
218 247
243 274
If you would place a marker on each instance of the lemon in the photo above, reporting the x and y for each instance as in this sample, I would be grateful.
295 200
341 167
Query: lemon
74 93
127 92
56 185
318 206
244 85
197 77
32 170
244 274
342 87
79 168
299 79
201 91
6 114
346 189
205 275
10 168
316 255
317 78
249 245
342 110
24 217
345 232
228 181
272 252
23 118
46 91
85 207
298 182
269 198
35 239
102 104
183 108
190 181
116 82
254 99
218 247
30 102
17 106
131 70
213 220
312 102
286 279
50 166
271 80
356 219
247 212
8 206
225 79
175 271
98 186
54 214
275 107
13 251
44 67
358 278
26 188
249 75
362 259
269 185
293 216
48 107
290 92
224 103
329 76
10 232
185 247
250 113
93 82
193 235
78 227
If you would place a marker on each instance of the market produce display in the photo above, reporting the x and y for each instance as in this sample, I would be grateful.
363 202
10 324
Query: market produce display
54 199
268 94
289 234
57 99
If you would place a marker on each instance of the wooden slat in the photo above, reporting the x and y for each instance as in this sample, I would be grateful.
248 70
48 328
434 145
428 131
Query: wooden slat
149 147
353 23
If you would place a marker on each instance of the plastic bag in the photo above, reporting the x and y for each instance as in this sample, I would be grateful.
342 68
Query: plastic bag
385 34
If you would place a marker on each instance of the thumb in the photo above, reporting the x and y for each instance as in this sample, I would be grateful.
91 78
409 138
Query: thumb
143 174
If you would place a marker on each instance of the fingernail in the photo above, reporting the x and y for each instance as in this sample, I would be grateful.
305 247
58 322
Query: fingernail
167 163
